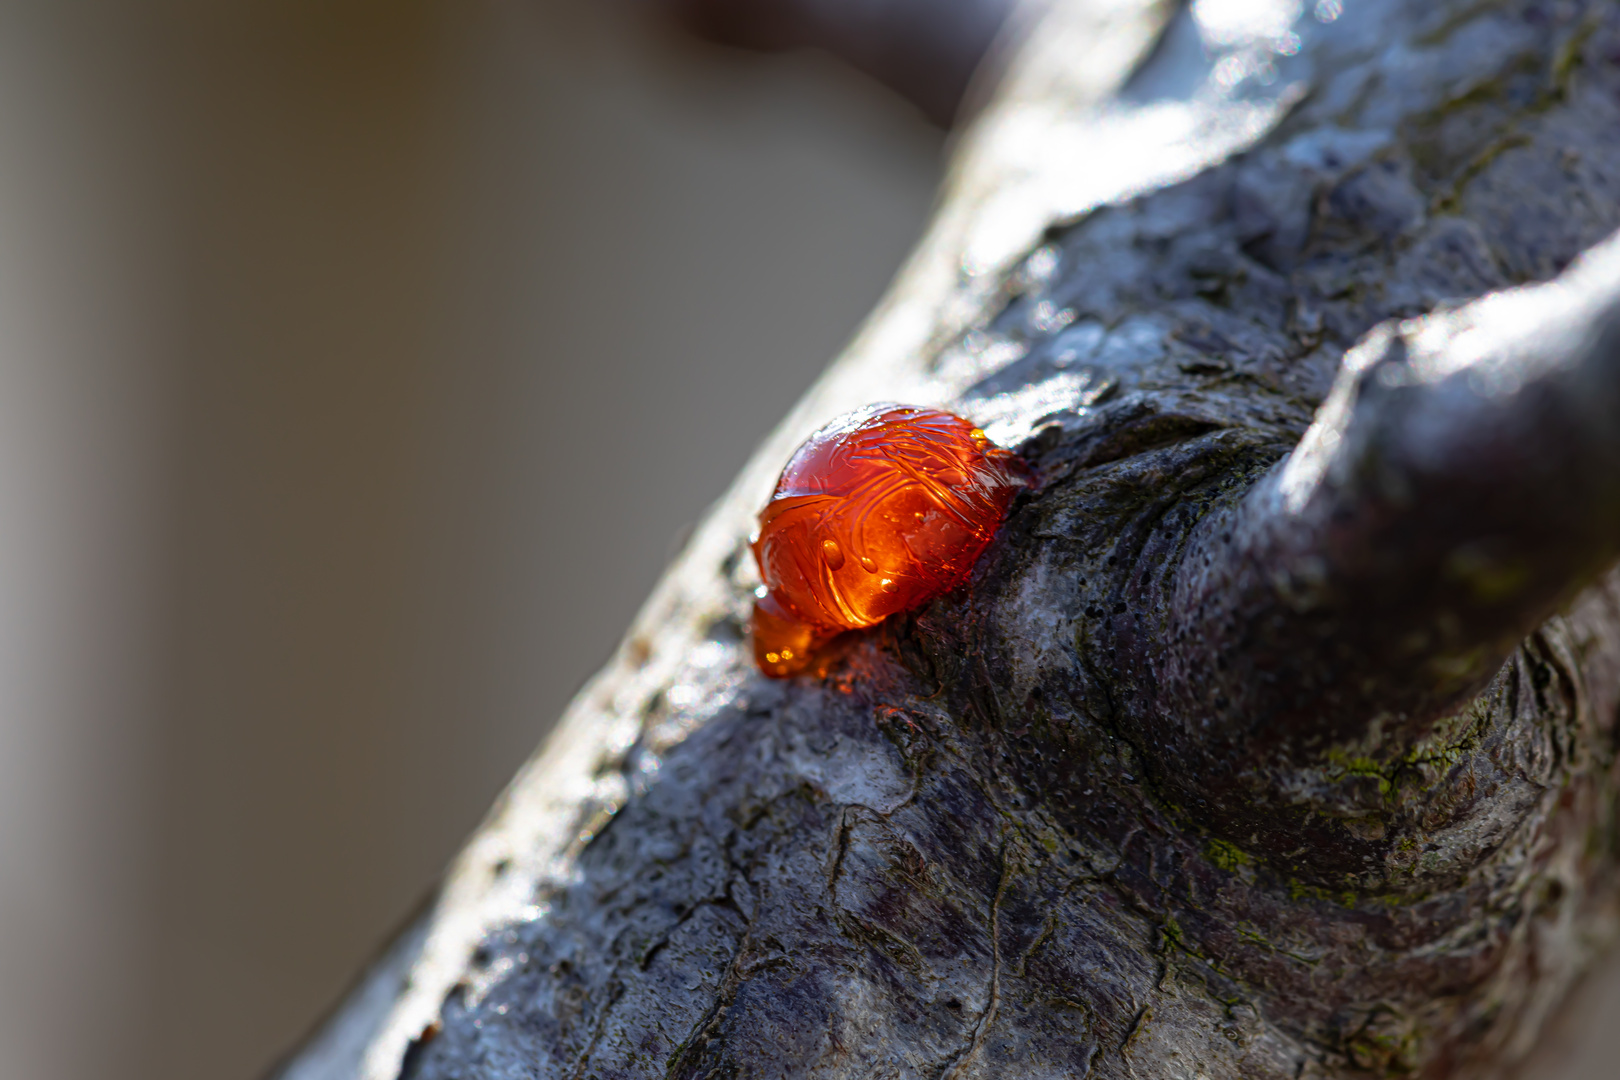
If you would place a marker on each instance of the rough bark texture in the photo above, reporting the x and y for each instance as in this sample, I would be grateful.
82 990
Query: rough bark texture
1191 780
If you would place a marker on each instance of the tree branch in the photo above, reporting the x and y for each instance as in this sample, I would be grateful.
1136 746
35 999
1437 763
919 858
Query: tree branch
1461 482
709 873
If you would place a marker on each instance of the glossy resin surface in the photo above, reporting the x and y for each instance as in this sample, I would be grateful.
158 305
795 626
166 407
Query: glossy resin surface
877 513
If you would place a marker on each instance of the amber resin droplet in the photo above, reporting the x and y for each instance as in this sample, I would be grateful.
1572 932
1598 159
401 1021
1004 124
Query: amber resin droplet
878 512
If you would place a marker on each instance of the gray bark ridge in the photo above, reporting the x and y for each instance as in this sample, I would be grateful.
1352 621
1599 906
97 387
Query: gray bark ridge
994 841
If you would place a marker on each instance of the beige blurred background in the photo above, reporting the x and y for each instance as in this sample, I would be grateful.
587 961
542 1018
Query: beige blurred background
360 365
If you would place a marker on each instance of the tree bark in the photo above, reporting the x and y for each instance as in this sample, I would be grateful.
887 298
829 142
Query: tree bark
1270 739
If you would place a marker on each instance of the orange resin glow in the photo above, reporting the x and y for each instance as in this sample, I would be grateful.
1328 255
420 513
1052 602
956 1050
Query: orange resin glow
878 512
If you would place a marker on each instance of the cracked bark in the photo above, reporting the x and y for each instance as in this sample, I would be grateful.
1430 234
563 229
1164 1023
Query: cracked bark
1254 747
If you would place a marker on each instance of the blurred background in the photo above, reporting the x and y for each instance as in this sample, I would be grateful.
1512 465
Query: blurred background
361 364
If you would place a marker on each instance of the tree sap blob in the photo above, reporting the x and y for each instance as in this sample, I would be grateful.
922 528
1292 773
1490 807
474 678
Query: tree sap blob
878 512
